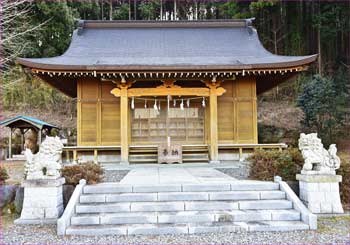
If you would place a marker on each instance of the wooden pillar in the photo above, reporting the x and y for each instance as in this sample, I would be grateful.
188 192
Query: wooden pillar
39 136
10 144
22 140
95 156
241 154
75 156
67 156
124 122
213 104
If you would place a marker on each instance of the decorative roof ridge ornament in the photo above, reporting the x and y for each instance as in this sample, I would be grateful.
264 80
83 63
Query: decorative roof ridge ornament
167 24
249 22
249 25
81 24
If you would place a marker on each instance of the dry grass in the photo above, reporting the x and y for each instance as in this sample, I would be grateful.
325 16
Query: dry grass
15 170
281 114
7 219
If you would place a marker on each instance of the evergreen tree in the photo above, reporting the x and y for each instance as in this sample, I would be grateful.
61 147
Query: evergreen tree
323 100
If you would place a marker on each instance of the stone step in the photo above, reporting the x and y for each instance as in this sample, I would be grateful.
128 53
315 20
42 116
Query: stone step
185 217
142 160
182 196
182 206
277 226
233 186
195 159
192 228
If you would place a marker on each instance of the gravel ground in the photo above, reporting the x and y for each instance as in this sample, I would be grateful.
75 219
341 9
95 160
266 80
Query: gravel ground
114 175
239 170
334 230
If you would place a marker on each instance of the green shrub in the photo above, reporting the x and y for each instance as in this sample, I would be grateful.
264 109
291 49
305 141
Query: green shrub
265 164
344 171
91 172
3 175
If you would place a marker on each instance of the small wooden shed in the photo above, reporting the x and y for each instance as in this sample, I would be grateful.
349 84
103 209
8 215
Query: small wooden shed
25 123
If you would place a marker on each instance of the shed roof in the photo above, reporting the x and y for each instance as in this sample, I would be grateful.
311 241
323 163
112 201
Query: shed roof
26 122
140 45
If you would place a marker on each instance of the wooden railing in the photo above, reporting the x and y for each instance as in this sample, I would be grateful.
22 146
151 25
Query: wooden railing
241 147
71 152
67 150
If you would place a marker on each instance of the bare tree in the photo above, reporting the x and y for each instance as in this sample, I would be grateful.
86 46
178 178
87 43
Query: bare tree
15 30
110 9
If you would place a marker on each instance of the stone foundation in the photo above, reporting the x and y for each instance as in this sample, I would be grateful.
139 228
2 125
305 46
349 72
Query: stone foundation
320 193
43 201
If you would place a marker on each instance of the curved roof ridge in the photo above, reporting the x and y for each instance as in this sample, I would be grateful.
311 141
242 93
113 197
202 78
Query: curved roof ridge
82 24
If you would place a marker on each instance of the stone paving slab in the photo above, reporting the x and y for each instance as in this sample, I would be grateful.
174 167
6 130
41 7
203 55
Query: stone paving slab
180 175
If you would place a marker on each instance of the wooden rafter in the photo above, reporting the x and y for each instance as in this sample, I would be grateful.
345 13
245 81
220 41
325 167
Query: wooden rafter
137 75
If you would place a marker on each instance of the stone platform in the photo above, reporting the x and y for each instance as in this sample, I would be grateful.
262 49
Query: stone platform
174 175
182 201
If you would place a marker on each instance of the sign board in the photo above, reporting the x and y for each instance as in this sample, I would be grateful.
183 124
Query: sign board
169 153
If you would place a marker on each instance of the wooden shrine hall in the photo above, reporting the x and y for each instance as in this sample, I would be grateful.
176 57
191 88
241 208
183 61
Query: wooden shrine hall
141 84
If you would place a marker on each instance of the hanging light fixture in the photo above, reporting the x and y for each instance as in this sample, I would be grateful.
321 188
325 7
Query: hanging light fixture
145 104
174 103
133 103
188 103
203 102
159 105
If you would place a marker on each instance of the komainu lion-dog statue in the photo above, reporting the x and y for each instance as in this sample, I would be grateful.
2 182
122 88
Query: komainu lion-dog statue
45 164
317 158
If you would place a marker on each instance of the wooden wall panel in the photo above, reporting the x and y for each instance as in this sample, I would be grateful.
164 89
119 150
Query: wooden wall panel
237 115
226 133
88 124
110 123
98 114
89 90
246 112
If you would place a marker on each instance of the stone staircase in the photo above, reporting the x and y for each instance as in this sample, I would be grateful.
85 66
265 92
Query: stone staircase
117 209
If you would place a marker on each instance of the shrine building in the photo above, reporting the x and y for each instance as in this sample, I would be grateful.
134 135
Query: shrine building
141 84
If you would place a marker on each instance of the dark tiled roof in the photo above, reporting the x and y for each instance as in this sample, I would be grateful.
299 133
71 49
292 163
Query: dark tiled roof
105 45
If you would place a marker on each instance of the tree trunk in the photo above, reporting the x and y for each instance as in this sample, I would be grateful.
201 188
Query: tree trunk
110 9
135 9
161 9
319 49
102 14
319 42
129 9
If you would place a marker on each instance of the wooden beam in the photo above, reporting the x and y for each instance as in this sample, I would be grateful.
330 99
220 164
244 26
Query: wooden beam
124 108
163 91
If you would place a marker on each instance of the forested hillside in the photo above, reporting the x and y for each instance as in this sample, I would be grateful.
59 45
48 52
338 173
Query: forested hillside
309 103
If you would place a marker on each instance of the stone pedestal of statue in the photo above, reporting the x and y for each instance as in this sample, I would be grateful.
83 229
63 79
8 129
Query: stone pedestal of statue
43 201
320 192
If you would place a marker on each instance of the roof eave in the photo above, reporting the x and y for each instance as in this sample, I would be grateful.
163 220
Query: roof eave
60 67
